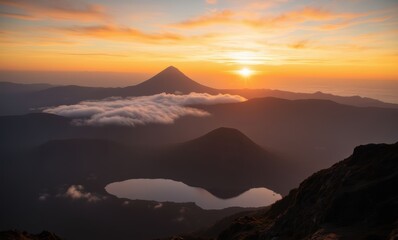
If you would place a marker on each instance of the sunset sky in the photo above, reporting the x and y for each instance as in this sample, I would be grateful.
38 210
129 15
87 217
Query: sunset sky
210 40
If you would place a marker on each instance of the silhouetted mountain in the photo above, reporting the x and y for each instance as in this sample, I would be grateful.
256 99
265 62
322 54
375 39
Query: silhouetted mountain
243 163
357 101
312 134
354 199
33 101
223 139
170 80
18 235
7 88
51 168
37 128
229 160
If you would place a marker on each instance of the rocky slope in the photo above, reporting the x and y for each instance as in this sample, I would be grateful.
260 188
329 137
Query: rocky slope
356 198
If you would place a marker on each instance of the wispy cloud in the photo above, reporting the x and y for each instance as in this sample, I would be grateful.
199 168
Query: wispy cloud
44 196
95 54
300 44
78 192
290 18
212 2
350 23
160 108
216 17
18 16
157 206
114 32
59 10
10 38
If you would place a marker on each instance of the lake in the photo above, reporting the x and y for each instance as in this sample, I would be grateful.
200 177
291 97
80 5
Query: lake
166 190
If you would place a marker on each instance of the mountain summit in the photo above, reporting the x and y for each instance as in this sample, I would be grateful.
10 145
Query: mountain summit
170 80
225 140
229 160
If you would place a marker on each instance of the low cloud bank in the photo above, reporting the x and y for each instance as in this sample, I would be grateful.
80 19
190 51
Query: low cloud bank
160 108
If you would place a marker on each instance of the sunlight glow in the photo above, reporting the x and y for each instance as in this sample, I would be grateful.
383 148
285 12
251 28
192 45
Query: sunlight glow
245 72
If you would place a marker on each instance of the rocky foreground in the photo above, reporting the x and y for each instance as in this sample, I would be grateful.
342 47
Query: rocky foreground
356 198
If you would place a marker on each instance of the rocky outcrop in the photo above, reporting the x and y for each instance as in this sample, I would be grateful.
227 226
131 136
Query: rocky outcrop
354 199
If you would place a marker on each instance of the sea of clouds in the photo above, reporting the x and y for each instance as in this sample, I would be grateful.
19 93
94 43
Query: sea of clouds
161 108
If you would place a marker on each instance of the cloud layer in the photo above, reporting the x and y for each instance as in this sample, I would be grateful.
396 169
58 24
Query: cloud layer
59 10
160 108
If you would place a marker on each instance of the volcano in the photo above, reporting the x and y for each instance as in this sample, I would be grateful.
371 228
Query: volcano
170 80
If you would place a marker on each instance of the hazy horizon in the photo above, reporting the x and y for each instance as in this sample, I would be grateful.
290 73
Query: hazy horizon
384 90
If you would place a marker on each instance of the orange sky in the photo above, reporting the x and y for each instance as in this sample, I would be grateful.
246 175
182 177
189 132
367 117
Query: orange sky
279 40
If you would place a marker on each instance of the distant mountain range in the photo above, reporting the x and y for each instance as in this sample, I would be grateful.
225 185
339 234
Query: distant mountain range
35 181
275 139
307 134
354 199
230 162
24 98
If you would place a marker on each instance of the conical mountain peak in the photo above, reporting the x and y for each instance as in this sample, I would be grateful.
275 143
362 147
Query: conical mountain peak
225 132
225 137
171 68
172 80
171 72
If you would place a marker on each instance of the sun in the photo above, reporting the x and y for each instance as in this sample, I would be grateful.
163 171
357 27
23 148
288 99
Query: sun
245 72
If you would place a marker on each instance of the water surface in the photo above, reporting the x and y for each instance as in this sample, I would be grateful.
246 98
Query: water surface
166 190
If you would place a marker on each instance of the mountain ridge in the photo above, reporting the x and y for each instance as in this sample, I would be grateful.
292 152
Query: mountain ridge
225 150
244 166
355 198
343 200
171 80
268 122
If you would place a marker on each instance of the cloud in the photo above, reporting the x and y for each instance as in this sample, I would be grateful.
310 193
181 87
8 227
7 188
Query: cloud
59 10
95 54
157 206
18 16
44 196
77 192
11 39
299 44
113 32
305 14
212 2
160 108
285 19
216 17
350 23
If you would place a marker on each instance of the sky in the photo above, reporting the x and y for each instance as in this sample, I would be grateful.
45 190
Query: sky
279 41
